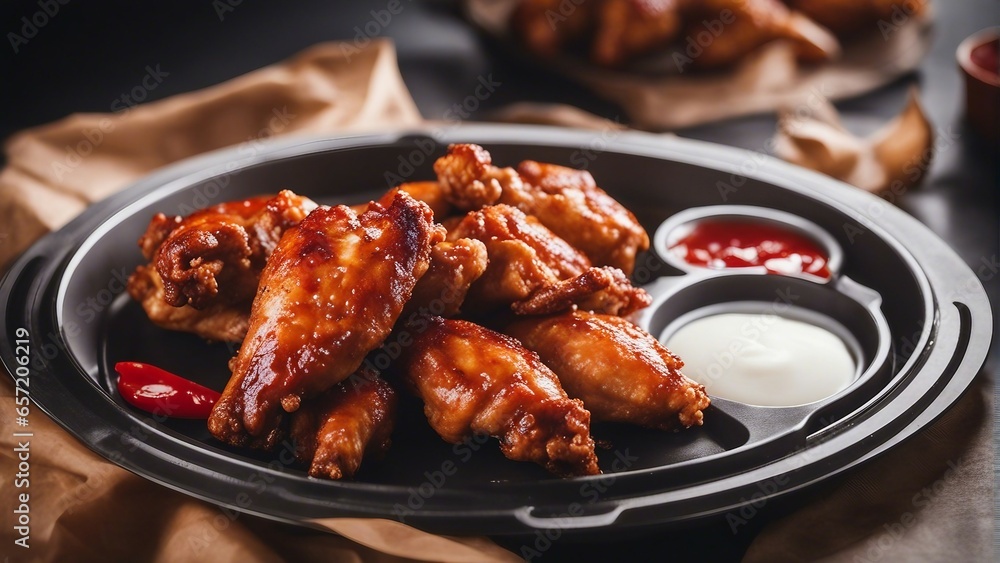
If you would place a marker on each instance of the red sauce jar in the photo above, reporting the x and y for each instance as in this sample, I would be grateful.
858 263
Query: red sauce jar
979 58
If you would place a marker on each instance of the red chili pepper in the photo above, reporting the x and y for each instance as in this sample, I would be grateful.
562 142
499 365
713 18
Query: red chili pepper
160 392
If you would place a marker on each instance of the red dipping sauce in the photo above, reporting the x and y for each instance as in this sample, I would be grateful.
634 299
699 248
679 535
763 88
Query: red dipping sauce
728 243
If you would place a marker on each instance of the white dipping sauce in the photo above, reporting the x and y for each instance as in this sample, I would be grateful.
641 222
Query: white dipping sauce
763 359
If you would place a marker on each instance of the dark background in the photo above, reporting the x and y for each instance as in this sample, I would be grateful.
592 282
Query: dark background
90 53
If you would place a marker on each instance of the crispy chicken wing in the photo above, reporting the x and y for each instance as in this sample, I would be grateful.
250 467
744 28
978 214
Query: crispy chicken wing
606 290
352 421
431 193
454 267
547 26
619 371
626 28
330 293
523 255
567 201
477 381
470 180
225 247
505 223
536 272
570 203
754 23
220 321
204 268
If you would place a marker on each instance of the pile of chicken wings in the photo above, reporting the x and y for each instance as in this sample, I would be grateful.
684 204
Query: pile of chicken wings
506 290
707 33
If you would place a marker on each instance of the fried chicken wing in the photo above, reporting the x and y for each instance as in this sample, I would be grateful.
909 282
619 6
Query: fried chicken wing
469 179
454 267
547 26
477 381
523 255
514 272
566 201
604 290
204 268
619 371
219 321
570 203
225 247
536 272
330 293
352 421
755 23
505 223
626 28
431 193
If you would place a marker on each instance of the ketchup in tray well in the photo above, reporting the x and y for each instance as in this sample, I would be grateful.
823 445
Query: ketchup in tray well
728 243
160 392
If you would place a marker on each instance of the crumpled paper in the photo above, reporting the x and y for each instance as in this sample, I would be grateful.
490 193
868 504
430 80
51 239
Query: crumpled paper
54 171
891 160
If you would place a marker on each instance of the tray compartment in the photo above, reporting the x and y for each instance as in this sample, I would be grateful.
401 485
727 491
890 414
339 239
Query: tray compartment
845 308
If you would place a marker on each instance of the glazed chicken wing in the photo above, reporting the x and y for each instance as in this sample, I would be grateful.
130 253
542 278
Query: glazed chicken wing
755 23
567 201
431 193
330 293
570 203
453 269
536 272
204 268
352 421
626 28
476 381
547 26
606 290
220 321
505 223
219 252
619 371
470 180
523 255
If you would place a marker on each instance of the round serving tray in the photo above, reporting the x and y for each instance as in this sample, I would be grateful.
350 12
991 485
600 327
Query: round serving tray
66 291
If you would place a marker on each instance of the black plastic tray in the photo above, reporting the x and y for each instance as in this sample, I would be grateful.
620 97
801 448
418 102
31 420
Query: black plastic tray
66 290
